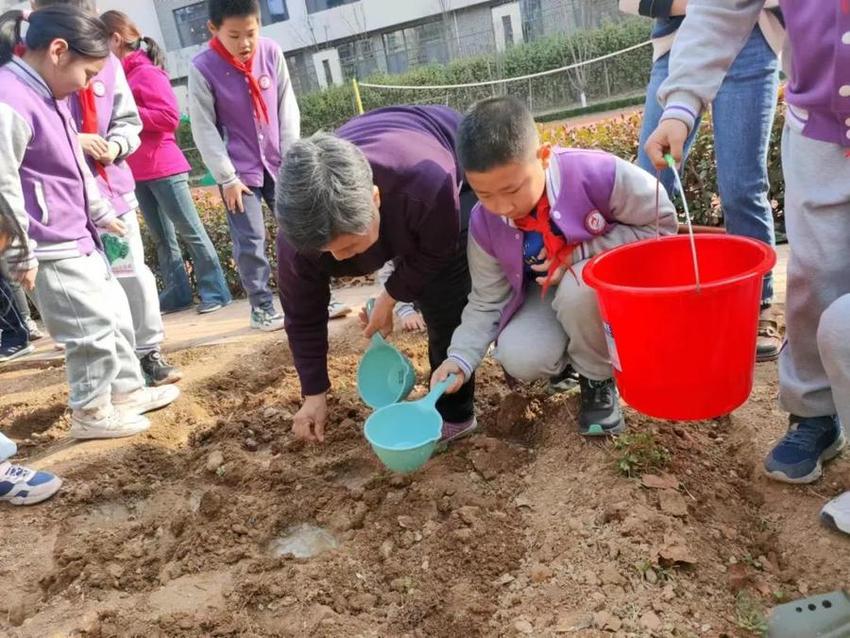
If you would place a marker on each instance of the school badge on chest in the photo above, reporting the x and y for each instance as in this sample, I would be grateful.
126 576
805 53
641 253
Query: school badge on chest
265 82
99 88
595 222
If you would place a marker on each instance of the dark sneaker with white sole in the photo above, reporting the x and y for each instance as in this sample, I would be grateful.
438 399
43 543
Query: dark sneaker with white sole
566 381
799 456
157 370
7 353
601 414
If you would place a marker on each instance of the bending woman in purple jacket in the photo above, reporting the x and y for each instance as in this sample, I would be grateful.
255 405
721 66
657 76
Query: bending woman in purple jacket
386 186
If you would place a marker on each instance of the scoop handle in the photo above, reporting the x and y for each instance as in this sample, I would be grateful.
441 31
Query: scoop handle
438 390
377 338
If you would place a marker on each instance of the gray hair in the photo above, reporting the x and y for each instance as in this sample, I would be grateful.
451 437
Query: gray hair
324 191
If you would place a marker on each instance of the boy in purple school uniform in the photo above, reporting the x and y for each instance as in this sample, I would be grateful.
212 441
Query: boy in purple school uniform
543 213
244 116
814 365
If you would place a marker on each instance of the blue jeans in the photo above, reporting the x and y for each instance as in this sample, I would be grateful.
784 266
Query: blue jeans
742 114
169 211
13 332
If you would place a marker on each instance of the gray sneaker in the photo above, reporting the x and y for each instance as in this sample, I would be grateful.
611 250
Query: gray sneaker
266 319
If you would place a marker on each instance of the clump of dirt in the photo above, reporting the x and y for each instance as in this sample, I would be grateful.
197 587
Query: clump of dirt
524 529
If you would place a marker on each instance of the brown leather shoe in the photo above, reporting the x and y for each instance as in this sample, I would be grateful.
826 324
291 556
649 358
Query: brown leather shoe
769 340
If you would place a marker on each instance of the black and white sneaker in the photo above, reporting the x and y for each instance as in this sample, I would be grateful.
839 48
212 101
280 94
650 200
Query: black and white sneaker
7 353
601 414
566 381
157 371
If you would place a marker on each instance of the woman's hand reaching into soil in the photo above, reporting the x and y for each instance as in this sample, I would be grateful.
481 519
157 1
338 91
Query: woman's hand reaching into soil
308 424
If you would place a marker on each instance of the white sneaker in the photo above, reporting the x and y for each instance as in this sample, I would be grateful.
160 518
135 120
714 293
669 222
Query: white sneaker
22 486
337 309
836 513
106 423
145 399
266 319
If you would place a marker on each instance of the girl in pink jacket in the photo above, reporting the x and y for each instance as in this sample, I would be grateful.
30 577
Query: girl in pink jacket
162 175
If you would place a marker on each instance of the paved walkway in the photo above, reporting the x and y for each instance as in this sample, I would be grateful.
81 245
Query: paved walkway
188 329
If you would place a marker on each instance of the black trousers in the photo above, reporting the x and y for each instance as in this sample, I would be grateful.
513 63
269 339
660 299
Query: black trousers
441 304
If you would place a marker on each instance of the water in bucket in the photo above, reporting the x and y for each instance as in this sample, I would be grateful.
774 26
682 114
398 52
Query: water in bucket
680 352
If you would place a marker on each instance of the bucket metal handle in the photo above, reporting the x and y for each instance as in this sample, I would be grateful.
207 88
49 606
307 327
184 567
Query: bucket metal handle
672 164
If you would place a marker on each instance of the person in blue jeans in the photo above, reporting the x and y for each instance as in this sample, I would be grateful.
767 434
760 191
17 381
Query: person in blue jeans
14 336
161 173
742 115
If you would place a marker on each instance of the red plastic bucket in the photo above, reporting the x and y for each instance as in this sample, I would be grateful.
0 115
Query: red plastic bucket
679 353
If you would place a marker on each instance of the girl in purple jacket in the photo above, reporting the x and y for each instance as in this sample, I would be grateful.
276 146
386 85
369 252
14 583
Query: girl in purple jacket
55 199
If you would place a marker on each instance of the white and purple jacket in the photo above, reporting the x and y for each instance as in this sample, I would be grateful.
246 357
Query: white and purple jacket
44 176
816 58
597 201
233 144
117 121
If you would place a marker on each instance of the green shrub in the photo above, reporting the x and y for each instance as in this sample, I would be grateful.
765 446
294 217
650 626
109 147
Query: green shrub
212 214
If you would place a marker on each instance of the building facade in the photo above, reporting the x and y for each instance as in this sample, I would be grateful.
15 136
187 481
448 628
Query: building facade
328 42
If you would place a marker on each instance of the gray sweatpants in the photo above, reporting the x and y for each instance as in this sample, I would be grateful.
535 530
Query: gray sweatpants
248 232
813 376
84 308
141 292
546 334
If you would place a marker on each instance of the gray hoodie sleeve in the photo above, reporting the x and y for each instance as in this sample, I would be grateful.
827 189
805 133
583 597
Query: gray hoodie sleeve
479 324
125 125
707 44
205 132
15 135
289 116
633 207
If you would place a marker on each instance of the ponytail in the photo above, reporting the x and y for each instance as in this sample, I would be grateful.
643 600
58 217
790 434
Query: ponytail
154 52
85 34
10 34
120 23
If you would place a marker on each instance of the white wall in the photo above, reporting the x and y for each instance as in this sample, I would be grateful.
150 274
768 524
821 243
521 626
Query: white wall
510 12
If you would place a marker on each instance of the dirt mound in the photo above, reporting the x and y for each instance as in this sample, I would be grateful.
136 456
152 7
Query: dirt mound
218 523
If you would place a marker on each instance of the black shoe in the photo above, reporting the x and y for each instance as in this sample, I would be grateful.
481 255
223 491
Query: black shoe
600 408
566 381
157 371
7 353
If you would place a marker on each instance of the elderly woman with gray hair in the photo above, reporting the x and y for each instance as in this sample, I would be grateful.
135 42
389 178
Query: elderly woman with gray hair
386 186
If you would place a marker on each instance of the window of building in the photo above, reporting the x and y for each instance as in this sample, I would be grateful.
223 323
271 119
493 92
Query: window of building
419 45
273 11
508 29
192 24
532 19
358 59
314 6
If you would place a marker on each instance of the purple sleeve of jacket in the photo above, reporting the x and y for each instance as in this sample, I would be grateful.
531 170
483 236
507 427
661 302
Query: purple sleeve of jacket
305 293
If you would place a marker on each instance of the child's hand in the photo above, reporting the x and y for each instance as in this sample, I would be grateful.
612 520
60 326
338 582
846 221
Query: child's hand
413 322
446 368
381 319
94 146
233 197
27 279
543 268
111 154
116 227
669 137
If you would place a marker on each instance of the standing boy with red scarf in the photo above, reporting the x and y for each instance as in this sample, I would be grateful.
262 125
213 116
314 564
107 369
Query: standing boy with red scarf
244 117
542 213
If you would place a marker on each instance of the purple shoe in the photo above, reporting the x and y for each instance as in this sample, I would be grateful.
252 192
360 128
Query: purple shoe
454 431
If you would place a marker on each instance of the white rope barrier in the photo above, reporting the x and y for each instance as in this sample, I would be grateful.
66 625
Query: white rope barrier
438 87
